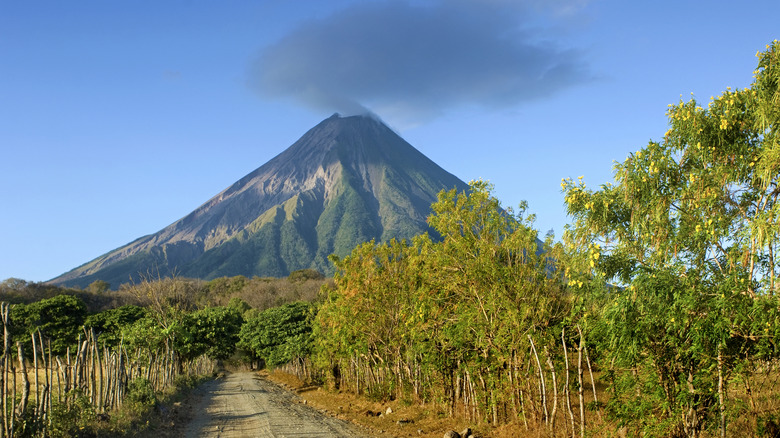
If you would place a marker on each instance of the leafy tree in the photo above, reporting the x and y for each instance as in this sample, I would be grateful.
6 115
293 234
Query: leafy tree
239 305
430 317
98 286
280 334
690 229
226 286
13 284
147 334
368 315
212 331
60 319
305 274
109 324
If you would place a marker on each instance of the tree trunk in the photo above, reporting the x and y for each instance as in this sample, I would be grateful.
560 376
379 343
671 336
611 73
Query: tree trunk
721 394
542 386
579 385
567 393
555 390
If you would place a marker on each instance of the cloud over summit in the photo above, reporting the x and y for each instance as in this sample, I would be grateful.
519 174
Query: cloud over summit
412 62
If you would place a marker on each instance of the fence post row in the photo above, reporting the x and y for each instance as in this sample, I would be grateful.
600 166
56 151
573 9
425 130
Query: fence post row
101 375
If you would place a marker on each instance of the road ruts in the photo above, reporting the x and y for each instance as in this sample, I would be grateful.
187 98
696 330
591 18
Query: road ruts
246 405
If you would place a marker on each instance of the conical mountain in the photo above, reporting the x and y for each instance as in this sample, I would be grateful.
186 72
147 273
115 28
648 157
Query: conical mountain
346 181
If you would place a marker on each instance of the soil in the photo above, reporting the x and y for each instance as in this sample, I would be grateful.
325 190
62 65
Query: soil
259 404
387 418
247 404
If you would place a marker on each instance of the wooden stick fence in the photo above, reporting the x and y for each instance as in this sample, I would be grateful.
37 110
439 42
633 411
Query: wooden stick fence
547 386
97 373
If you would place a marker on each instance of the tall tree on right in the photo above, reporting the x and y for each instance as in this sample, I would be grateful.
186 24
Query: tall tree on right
689 230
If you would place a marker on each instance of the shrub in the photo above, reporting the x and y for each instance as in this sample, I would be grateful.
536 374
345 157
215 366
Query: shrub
140 395
75 419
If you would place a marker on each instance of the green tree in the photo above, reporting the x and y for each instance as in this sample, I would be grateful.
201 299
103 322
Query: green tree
212 331
98 287
226 286
494 278
430 318
690 230
280 334
147 334
239 305
305 274
109 324
60 319
369 316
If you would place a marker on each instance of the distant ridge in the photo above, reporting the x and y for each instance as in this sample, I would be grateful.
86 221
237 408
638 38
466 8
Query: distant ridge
346 181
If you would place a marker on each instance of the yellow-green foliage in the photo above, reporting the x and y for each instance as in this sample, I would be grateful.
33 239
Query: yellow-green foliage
690 230
425 314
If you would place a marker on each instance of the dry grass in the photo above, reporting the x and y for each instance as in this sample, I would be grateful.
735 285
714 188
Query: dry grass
429 421
426 421
53 385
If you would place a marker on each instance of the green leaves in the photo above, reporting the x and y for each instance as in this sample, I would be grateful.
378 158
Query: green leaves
280 334
213 331
109 324
690 230
464 304
59 319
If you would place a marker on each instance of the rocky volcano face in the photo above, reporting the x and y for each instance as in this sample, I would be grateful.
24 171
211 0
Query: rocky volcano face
346 181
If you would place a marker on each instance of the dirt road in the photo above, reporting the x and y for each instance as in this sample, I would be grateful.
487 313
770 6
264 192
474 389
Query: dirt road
246 405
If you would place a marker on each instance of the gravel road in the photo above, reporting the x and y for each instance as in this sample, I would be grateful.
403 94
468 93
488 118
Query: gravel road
246 405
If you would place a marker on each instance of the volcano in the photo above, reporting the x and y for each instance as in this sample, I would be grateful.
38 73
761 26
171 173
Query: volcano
346 181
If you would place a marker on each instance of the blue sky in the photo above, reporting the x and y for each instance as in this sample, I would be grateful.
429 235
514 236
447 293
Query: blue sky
118 118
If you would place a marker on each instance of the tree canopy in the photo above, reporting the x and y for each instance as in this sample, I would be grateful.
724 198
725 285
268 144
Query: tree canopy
689 231
60 319
280 334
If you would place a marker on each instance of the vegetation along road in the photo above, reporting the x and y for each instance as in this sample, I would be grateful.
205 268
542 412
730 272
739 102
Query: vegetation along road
247 405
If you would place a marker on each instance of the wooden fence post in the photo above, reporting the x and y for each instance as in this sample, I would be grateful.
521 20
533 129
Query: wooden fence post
22 406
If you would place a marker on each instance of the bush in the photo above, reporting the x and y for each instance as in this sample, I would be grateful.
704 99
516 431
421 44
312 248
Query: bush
75 419
140 395
305 274
186 381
